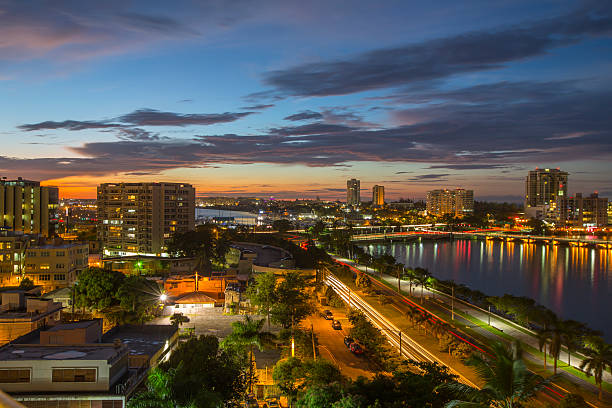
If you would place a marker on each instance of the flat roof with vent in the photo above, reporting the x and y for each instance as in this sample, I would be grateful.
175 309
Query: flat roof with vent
59 352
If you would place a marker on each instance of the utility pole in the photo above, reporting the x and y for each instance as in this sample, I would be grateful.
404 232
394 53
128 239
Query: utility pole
292 337
400 343
314 350
453 302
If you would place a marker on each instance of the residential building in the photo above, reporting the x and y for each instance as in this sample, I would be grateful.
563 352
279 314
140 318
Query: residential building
140 218
542 189
353 192
56 264
28 207
458 202
20 315
378 196
579 211
13 245
74 364
609 212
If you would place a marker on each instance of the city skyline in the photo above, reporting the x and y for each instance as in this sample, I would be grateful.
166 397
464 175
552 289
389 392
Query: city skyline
290 100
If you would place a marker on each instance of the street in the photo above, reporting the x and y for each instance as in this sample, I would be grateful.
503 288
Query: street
331 344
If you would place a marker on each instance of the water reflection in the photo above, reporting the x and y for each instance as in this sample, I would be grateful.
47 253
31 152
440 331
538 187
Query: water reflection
575 282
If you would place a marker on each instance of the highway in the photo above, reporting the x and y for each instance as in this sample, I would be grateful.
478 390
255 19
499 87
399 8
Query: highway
398 339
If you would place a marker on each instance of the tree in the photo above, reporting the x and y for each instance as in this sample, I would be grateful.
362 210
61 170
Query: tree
573 333
598 357
292 301
422 278
178 319
508 382
203 374
363 280
294 375
248 334
554 330
288 376
159 391
138 296
573 401
26 284
97 288
282 225
262 293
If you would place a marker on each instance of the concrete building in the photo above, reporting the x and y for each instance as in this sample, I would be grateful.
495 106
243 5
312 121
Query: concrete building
458 202
353 192
579 211
73 364
139 218
27 207
20 315
13 246
378 196
56 264
542 189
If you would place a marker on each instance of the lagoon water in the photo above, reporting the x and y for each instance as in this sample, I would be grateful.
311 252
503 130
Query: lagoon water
576 283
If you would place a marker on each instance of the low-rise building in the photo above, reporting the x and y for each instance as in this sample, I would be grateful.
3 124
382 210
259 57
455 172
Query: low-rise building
13 245
20 315
56 264
73 364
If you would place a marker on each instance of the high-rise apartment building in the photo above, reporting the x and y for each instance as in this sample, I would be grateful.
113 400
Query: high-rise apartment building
378 196
458 202
140 218
579 211
27 207
353 192
544 186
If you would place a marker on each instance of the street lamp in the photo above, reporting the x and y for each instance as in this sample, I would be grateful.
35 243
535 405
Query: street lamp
163 297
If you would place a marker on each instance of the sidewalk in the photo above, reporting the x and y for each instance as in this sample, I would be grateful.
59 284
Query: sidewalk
501 329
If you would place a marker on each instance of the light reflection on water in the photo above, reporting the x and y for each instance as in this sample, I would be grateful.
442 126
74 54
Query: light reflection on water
574 282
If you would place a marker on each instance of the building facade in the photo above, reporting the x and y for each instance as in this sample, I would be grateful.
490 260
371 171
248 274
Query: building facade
27 207
21 315
458 202
353 192
13 246
579 211
378 196
139 218
542 189
57 264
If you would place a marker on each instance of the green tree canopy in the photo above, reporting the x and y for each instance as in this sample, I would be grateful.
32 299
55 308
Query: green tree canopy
26 284
139 296
292 300
262 293
282 225
97 288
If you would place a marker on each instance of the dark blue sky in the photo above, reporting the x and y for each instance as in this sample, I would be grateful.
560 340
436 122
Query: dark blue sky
291 98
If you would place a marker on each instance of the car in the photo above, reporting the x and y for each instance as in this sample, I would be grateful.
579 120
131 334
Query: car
356 348
348 341
336 325
327 315
272 403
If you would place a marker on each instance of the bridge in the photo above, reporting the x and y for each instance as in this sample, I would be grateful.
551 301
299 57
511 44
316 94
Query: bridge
390 234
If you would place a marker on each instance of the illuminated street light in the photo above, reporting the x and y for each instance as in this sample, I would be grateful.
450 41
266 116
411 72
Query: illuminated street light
163 297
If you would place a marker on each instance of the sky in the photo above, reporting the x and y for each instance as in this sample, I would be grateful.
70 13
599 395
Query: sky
290 98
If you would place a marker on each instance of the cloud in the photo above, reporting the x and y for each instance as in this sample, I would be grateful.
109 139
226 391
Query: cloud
404 172
437 59
304 115
152 117
258 107
467 166
68 125
433 177
310 129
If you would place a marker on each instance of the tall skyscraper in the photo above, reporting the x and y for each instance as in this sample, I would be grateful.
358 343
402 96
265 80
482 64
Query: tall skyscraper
140 218
544 186
458 202
27 207
378 196
353 192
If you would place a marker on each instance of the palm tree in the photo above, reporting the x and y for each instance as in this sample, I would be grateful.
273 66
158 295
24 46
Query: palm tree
572 337
422 278
508 382
598 357
411 276
554 330
248 333
543 338
158 393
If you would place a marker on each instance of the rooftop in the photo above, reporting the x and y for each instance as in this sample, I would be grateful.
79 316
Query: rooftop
58 352
194 297
141 339
75 325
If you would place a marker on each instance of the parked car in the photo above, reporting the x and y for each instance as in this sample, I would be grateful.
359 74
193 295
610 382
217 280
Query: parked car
327 315
356 348
348 341
336 325
272 403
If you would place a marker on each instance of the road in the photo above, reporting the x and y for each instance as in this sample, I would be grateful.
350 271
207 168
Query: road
441 306
331 345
